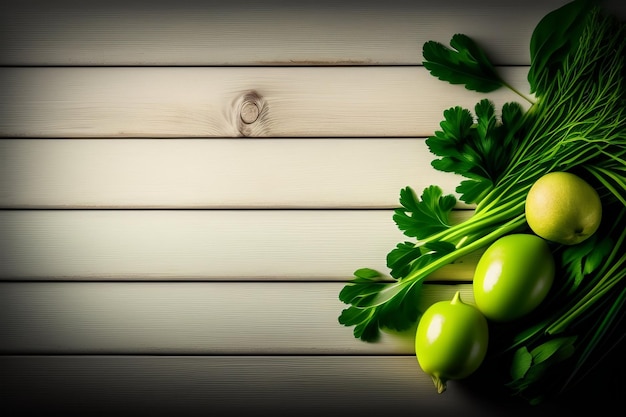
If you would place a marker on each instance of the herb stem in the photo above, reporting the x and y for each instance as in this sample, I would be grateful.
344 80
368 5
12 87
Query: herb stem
516 91
592 297
475 244
611 273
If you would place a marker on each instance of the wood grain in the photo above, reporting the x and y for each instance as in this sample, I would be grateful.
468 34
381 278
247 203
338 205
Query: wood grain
202 244
273 32
221 173
187 185
219 318
248 385
206 102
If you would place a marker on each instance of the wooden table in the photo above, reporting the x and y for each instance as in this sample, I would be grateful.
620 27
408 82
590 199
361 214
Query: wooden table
187 185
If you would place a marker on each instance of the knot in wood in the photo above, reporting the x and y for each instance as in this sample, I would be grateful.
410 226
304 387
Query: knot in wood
249 112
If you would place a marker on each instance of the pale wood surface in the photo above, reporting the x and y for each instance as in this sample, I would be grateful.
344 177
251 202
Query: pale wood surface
202 244
247 386
215 173
222 298
206 102
272 32
218 318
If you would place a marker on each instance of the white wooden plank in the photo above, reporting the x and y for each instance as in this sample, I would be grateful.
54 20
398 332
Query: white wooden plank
268 33
215 173
207 102
190 318
249 386
207 245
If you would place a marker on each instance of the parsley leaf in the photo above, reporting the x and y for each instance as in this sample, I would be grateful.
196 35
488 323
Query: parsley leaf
408 256
426 216
377 303
369 311
479 149
466 64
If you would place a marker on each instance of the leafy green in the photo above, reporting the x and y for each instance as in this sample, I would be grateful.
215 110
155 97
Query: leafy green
582 259
407 256
478 150
577 123
368 314
520 363
426 216
465 64
588 306
528 368
554 37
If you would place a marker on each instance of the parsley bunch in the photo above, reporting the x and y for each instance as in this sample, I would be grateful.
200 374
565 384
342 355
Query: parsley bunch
576 122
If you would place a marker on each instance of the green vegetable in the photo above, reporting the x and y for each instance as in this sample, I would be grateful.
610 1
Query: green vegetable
586 313
576 123
513 276
467 64
451 341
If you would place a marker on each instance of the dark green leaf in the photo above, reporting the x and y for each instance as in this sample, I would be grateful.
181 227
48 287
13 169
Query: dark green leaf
363 289
399 259
512 115
520 363
407 256
399 313
353 315
479 150
365 328
424 216
596 257
474 190
378 304
367 274
465 64
534 374
457 123
559 348
368 331
554 37
584 258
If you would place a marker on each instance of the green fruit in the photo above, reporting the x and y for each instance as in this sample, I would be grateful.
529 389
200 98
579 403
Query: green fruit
451 341
563 208
513 276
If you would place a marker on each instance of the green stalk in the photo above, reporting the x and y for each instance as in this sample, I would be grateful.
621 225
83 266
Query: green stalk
416 275
516 91
476 222
602 329
486 239
606 283
611 273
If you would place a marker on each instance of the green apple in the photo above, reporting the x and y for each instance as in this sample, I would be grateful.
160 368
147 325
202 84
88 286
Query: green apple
564 208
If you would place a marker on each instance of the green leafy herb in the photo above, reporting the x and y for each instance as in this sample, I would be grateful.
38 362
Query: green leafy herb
368 313
582 259
554 37
478 150
423 217
576 122
528 368
466 64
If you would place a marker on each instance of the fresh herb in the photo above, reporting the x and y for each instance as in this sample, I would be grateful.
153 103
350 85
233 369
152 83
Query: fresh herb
585 312
576 122
466 64
478 147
